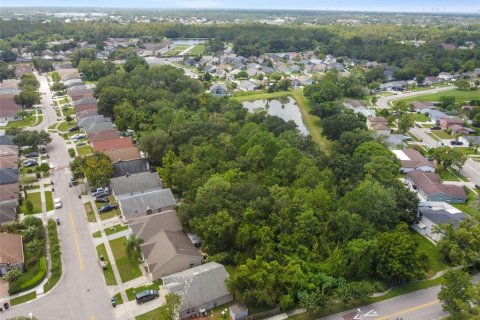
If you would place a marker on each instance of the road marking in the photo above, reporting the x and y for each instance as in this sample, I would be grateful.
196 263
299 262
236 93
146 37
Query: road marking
428 304
371 313
77 246
92 317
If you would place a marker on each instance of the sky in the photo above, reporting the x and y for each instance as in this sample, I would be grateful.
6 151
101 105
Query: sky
468 6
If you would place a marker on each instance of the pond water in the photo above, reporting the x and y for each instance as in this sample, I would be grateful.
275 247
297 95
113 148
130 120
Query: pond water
188 41
286 108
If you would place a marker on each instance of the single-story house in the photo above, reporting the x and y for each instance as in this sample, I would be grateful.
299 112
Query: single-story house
85 104
63 73
112 144
432 217
79 92
433 114
99 126
201 288
470 140
6 140
430 187
353 104
146 227
124 154
103 135
138 183
420 105
169 252
412 160
140 205
9 192
379 125
219 89
247 85
130 167
86 121
86 113
8 211
460 129
9 162
73 82
9 109
11 252
448 121
8 176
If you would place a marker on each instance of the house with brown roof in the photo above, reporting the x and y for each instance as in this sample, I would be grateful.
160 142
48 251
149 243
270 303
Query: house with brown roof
445 123
412 160
421 105
86 113
379 125
65 73
8 211
112 144
123 154
79 92
169 252
9 161
85 104
9 192
11 252
430 187
103 135
146 227
9 109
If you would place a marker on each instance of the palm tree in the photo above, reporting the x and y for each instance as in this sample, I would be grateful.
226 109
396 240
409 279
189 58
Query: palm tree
133 245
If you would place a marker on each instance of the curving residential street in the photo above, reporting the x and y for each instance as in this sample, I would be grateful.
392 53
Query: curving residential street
384 102
81 292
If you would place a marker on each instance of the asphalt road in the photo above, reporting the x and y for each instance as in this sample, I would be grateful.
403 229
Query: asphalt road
382 102
418 305
81 293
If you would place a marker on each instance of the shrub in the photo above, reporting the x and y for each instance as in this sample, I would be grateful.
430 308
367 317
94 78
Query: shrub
71 152
30 279
29 206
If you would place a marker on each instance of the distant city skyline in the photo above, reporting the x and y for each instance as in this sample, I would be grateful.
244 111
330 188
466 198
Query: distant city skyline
427 6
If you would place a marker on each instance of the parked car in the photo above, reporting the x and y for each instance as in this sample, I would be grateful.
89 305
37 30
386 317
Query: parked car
57 203
108 207
32 154
73 183
429 131
435 128
101 191
456 142
78 144
58 221
146 296
78 136
30 163
101 199
73 129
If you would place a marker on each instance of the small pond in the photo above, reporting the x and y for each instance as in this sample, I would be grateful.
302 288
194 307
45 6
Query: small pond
285 108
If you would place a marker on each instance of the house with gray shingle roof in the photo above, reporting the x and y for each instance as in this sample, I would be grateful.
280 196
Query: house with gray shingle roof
140 205
132 184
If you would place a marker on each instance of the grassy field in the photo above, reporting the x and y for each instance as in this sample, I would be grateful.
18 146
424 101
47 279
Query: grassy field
64 126
35 199
118 296
84 150
132 291
108 273
197 50
441 134
447 175
312 122
28 121
155 314
436 261
458 94
128 267
114 229
90 214
49 200
24 298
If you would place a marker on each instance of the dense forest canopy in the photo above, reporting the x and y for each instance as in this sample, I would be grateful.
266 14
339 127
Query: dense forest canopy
300 225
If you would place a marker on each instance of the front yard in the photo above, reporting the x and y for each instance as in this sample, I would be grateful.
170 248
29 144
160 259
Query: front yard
132 291
84 150
35 199
441 134
471 207
109 214
128 267
49 200
107 273
90 214
114 229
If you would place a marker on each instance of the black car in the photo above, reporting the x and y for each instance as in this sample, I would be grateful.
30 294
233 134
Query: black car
108 207
32 154
146 295
73 183
29 163
73 129
101 199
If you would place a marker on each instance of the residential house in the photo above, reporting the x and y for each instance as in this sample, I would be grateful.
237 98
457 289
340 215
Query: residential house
22 69
460 129
448 46
133 184
430 187
130 167
413 160
79 92
112 144
379 125
9 161
432 80
86 121
9 192
11 252
146 227
8 211
305 79
73 82
247 85
470 140
201 288
103 135
85 104
9 109
445 76
219 89
140 205
353 104
124 154
433 114
86 113
8 176
169 252
433 215
420 105
99 126
64 73
469 108
6 140
446 122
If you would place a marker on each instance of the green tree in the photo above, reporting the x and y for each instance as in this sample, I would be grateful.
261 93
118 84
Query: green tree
58 87
215 230
172 306
133 245
155 144
334 126
29 206
27 97
405 123
133 63
12 275
462 84
460 245
447 102
449 156
476 120
97 168
456 294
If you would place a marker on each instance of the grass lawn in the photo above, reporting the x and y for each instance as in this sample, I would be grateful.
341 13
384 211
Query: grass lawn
28 121
35 199
249 96
471 207
420 117
436 262
155 314
414 137
441 134
64 126
90 214
197 50
118 296
97 234
109 214
49 200
68 111
132 291
84 150
24 298
108 273
458 94
128 267
466 150
447 175
114 229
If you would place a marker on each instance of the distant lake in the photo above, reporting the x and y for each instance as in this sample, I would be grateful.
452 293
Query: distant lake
286 109
188 41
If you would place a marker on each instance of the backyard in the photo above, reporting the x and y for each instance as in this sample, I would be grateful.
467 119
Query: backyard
128 267
441 134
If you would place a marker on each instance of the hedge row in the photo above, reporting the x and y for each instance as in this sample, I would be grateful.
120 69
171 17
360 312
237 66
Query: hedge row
39 270
55 256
